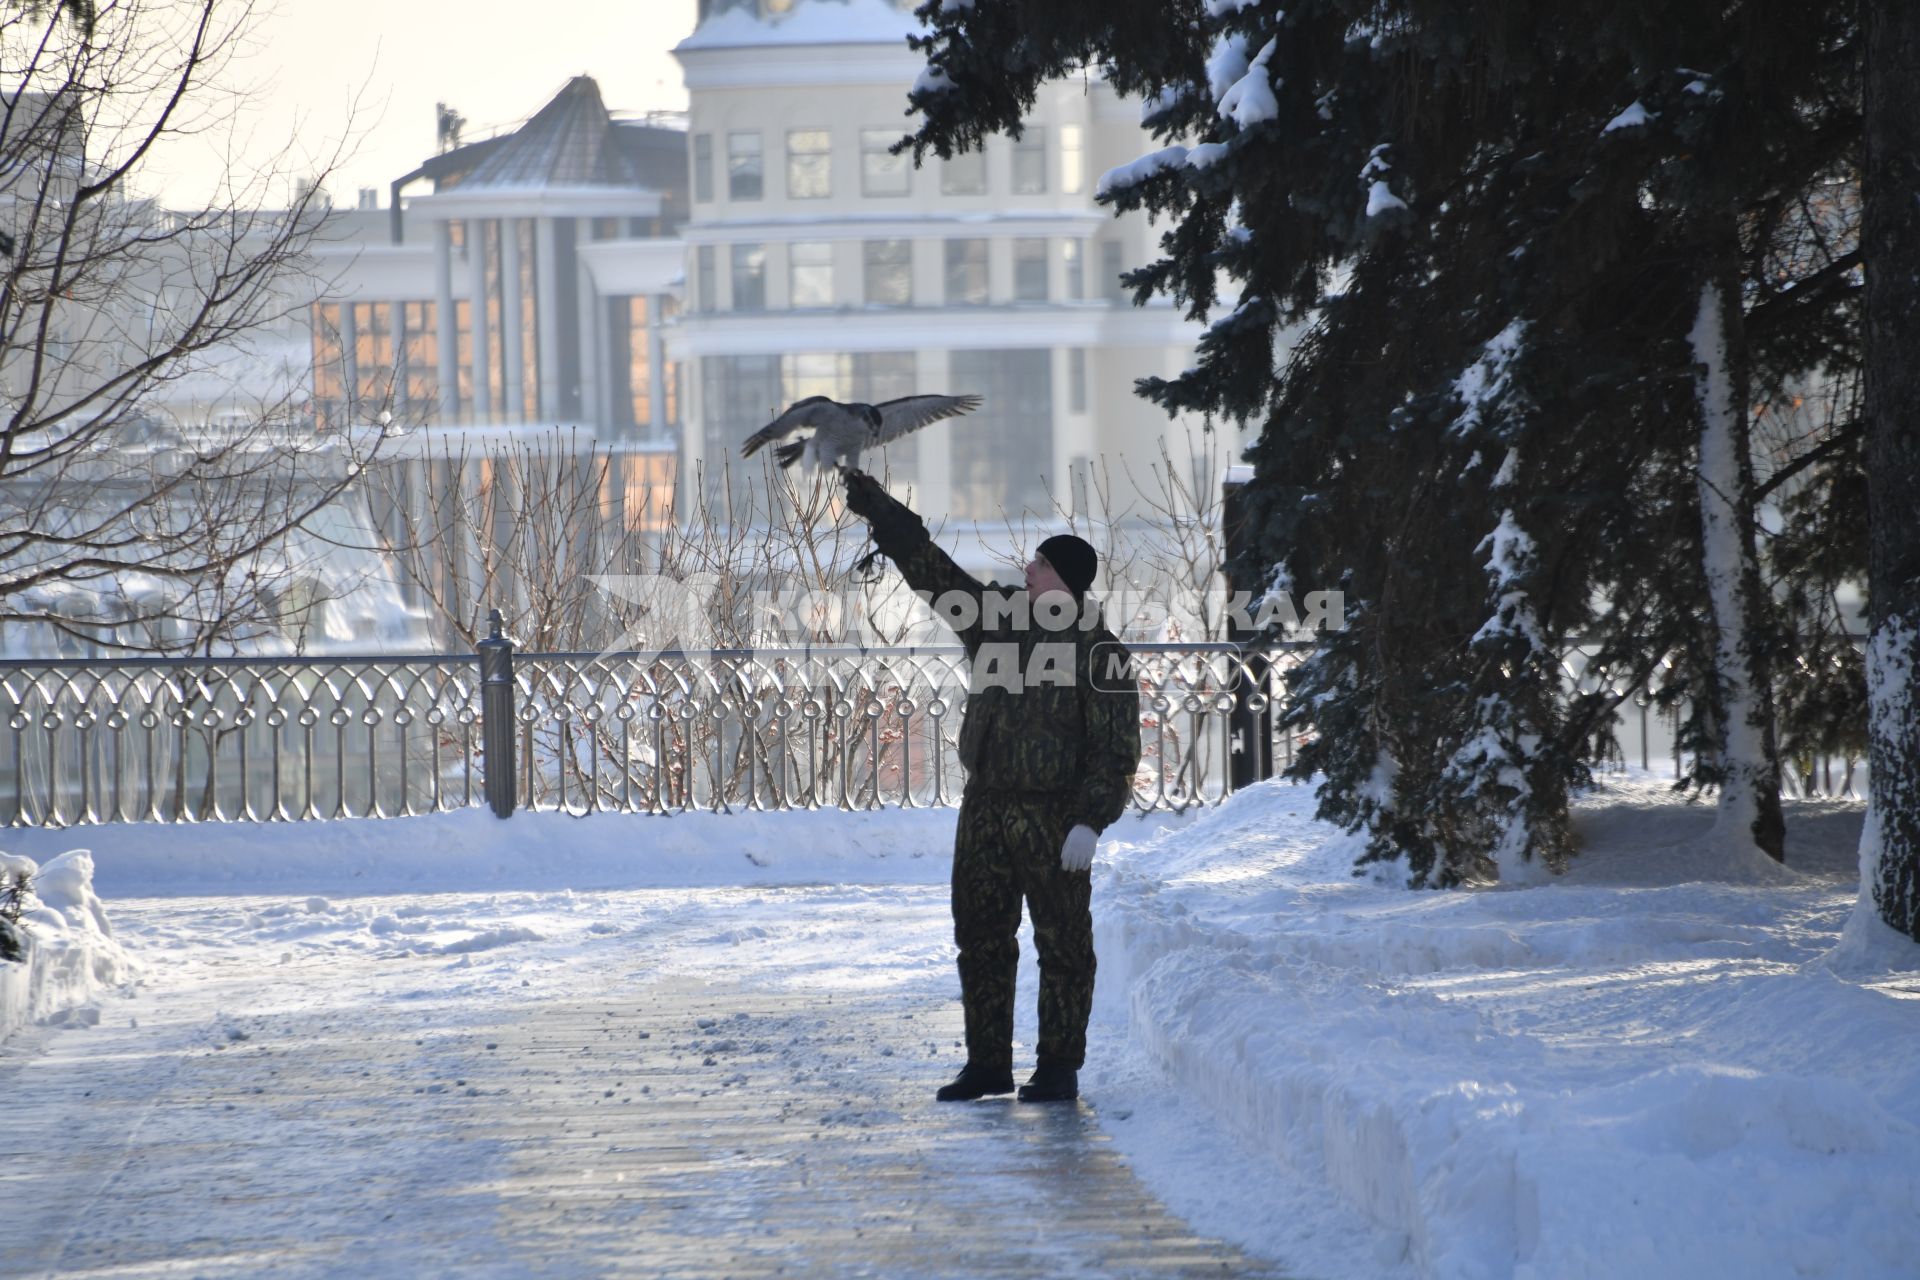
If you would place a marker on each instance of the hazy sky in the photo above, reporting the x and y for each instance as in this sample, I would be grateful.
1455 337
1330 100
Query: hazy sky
495 62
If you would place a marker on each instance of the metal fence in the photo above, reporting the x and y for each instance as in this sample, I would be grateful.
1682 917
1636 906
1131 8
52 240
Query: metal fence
291 738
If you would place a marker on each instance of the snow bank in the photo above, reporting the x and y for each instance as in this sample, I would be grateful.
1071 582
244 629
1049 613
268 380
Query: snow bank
1629 1071
471 850
71 954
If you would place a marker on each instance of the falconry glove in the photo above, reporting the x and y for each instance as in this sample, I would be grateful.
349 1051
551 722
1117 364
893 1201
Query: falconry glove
896 529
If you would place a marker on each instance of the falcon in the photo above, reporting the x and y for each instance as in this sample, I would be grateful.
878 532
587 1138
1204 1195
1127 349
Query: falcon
841 431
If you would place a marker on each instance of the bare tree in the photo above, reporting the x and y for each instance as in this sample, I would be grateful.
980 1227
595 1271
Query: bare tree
107 301
584 555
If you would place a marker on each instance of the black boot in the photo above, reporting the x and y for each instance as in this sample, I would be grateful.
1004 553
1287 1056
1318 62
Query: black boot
976 1082
1050 1083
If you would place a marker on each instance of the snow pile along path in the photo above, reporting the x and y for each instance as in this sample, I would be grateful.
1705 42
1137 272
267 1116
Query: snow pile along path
471 850
71 954
1627 1071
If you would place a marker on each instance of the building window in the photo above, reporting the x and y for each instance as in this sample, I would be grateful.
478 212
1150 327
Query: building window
743 166
640 488
375 358
703 166
1002 457
329 368
1030 162
889 273
966 273
965 174
1110 272
421 354
809 164
1073 161
1029 270
749 277
529 354
810 274
1077 380
463 357
815 373
628 368
881 172
705 296
736 393
1073 257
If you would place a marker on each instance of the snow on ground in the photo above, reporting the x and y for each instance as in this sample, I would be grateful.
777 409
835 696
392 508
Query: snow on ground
471 850
1626 1072
1641 1068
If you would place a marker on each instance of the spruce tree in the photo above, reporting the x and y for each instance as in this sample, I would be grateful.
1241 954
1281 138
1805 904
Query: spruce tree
1487 229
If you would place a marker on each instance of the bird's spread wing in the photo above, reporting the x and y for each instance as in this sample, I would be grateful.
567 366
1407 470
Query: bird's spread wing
813 412
910 413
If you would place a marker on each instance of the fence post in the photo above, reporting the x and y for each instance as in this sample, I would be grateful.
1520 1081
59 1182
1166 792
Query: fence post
1249 732
497 719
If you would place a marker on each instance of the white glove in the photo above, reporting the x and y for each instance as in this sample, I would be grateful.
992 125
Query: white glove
1077 853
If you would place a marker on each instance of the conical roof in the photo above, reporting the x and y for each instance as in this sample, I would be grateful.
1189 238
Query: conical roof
566 144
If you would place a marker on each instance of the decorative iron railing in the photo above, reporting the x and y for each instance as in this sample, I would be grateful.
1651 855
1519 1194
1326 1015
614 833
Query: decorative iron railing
289 738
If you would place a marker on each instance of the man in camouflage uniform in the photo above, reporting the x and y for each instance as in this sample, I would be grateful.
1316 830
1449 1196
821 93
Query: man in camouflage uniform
1050 741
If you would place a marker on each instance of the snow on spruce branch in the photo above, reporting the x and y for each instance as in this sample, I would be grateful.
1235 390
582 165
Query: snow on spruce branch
1488 377
1226 64
1249 100
1163 103
1511 556
1380 197
1205 155
1134 172
1634 117
931 79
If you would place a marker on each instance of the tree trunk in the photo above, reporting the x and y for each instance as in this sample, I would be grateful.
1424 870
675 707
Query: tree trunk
1750 788
1890 844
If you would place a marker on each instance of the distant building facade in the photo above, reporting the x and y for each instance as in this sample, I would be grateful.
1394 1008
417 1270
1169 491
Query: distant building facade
668 289
820 263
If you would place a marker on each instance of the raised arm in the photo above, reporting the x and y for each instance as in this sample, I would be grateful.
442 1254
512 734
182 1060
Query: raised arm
902 537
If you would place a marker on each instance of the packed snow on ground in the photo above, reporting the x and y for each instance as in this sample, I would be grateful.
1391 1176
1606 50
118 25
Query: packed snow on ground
1641 1068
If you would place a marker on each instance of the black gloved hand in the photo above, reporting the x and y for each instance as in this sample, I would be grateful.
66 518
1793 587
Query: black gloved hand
866 497
896 530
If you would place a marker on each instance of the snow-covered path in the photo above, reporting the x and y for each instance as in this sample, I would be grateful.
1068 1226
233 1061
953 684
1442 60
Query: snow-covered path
683 1083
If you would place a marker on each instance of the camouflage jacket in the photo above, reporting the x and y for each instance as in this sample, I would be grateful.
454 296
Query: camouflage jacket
1049 710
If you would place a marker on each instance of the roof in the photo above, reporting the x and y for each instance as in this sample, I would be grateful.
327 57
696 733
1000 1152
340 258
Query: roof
809 22
566 144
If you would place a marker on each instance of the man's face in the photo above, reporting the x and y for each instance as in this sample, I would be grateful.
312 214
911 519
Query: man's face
1042 577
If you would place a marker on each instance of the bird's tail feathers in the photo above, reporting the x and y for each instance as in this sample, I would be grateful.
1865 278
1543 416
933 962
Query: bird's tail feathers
790 453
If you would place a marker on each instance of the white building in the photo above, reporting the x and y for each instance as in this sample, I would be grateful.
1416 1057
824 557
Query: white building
818 262
669 289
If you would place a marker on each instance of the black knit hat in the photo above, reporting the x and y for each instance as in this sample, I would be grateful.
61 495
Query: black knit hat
1073 559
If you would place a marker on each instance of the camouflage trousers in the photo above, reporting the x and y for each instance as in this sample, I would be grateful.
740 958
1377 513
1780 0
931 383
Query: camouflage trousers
1008 848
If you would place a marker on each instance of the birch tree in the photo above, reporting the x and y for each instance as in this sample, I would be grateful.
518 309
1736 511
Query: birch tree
1890 843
